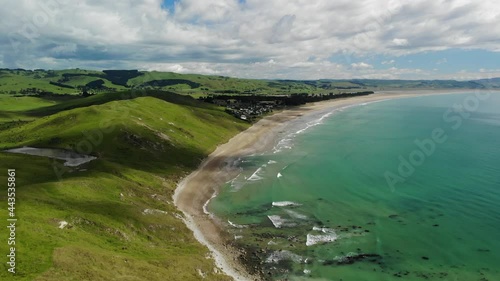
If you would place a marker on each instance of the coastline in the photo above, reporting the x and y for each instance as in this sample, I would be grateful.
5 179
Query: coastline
194 191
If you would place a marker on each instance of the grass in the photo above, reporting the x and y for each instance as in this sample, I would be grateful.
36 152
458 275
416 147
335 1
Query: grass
195 84
145 145
145 141
17 104
198 85
16 108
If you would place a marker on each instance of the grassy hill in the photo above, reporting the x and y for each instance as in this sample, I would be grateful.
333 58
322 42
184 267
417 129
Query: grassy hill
122 224
75 81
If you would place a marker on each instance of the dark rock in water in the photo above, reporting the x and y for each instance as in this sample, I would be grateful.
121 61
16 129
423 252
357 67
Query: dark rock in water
354 258
483 250
366 230
256 211
435 225
330 262
393 216
425 258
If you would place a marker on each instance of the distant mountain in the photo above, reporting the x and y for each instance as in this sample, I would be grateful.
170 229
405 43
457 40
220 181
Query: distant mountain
489 83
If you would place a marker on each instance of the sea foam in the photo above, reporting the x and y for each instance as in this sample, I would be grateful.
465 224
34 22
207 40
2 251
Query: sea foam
296 215
281 255
285 204
328 236
255 176
315 239
287 141
205 206
236 225
280 222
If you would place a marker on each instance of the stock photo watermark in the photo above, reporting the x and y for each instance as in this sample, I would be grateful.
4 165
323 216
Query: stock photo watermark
31 28
364 39
454 117
11 220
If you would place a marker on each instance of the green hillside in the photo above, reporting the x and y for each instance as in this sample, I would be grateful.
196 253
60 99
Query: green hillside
78 81
147 131
122 224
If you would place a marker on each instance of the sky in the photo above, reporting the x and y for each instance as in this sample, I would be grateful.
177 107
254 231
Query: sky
271 39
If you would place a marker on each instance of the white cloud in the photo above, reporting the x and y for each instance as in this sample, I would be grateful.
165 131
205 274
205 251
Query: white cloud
361 65
400 42
239 38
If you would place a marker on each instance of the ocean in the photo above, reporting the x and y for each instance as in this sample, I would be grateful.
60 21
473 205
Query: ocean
401 189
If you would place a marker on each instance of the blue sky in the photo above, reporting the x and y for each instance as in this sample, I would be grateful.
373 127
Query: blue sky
447 62
169 4
286 39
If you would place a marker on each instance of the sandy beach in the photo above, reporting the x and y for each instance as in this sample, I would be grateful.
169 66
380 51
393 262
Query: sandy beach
193 193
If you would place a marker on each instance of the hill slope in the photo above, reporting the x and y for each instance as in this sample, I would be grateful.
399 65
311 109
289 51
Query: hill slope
122 224
75 81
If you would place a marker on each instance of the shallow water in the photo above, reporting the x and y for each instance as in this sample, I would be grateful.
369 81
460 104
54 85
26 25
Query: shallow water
319 205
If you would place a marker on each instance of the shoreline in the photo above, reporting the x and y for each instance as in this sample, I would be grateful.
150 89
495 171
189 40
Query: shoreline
197 189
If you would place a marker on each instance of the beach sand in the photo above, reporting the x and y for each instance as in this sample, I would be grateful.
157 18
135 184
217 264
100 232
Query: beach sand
193 193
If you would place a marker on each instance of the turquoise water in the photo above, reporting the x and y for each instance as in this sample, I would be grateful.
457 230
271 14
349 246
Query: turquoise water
336 216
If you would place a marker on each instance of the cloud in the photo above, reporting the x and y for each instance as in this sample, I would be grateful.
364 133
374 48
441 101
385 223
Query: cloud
389 62
206 10
400 42
361 65
238 38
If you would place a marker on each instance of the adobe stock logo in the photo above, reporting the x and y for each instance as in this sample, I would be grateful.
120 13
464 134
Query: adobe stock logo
32 26
425 148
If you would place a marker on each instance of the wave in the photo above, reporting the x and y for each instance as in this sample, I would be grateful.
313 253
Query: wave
236 225
279 175
328 236
237 184
280 255
255 176
321 238
205 206
285 204
296 215
286 142
280 222
323 229
315 122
